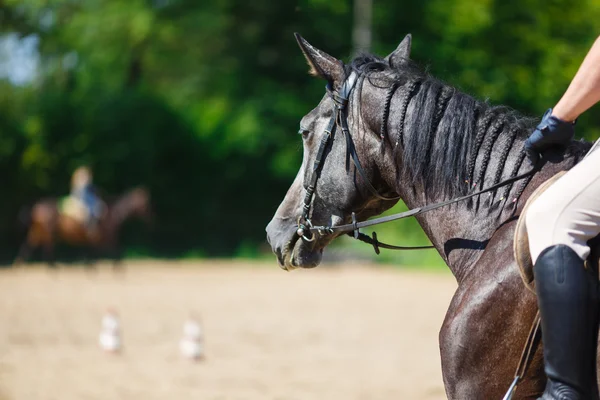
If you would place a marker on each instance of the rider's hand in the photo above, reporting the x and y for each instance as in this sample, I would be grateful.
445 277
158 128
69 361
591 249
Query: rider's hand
550 132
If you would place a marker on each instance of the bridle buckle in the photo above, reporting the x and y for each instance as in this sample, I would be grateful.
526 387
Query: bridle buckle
355 225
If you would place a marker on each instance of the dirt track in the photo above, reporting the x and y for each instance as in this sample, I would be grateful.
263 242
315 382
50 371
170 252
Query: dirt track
330 333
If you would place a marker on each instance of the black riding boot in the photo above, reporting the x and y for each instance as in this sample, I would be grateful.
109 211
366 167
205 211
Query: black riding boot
568 303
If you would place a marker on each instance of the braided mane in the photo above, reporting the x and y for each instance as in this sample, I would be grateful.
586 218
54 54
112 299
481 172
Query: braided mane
449 142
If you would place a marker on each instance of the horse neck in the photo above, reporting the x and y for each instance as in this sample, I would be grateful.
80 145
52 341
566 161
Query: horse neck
451 145
121 210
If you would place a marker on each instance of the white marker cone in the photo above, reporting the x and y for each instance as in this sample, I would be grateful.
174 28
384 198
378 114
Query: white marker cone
192 342
110 332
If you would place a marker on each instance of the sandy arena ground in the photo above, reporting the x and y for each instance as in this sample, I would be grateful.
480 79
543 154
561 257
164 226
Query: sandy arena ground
347 333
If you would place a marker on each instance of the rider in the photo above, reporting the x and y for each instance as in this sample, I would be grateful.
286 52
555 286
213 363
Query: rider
560 222
82 189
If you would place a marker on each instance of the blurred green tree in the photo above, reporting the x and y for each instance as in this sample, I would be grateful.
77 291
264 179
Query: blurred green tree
199 101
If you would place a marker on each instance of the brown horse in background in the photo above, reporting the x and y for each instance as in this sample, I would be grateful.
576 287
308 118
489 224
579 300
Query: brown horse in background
47 225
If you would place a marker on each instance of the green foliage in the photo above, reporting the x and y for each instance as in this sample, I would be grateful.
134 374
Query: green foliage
199 100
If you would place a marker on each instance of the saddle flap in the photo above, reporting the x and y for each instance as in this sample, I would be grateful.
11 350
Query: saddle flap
521 239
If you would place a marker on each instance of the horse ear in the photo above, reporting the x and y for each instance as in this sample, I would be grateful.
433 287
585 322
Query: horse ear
402 53
321 64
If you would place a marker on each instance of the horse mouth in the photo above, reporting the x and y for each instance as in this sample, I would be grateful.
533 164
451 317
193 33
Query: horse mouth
300 254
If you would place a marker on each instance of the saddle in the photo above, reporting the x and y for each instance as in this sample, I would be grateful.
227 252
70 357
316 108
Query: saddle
73 207
521 240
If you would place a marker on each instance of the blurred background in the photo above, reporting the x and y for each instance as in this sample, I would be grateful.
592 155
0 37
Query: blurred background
199 102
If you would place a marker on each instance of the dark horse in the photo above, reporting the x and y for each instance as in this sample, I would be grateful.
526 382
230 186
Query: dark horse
426 142
47 225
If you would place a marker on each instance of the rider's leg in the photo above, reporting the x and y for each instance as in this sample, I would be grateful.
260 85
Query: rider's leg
559 223
568 212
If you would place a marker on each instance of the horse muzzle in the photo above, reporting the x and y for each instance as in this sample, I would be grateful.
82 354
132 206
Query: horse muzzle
290 249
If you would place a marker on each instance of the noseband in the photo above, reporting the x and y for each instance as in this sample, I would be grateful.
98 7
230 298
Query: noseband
308 232
338 120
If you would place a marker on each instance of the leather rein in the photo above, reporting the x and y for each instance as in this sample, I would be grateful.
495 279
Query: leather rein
307 231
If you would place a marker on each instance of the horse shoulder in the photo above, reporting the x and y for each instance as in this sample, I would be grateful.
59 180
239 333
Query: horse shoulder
486 327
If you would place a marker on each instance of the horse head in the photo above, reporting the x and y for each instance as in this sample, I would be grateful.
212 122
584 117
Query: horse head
331 184
134 203
141 205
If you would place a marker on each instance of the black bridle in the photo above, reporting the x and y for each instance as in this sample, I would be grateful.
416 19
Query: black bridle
339 120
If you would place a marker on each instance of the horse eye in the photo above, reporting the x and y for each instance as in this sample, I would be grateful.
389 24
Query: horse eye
304 132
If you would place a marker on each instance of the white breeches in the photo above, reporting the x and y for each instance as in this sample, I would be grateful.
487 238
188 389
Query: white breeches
568 212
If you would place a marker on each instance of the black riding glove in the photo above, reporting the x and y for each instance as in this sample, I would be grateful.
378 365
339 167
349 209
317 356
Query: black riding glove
550 132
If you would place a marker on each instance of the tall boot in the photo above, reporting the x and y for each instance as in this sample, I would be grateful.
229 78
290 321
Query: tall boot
568 302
